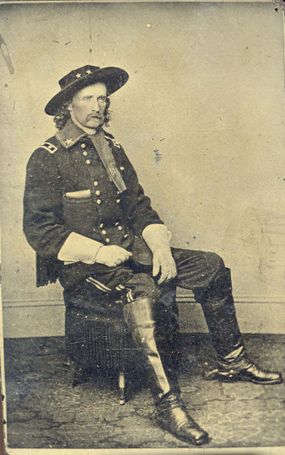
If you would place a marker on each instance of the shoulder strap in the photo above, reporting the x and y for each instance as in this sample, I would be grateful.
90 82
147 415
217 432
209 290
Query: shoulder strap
51 145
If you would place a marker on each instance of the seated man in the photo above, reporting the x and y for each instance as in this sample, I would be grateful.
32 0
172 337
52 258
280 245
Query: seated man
93 228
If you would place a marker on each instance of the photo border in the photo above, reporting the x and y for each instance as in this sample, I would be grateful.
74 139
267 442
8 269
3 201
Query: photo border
279 6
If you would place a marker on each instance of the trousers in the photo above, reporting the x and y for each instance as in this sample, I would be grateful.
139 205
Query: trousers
201 272
204 273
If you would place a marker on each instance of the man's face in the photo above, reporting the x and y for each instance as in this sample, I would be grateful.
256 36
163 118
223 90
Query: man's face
88 105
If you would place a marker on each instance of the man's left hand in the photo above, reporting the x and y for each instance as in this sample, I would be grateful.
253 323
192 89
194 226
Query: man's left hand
164 264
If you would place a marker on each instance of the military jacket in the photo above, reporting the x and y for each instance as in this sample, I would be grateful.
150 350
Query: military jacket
68 189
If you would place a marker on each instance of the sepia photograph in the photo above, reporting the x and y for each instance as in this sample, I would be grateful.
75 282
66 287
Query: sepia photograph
143 227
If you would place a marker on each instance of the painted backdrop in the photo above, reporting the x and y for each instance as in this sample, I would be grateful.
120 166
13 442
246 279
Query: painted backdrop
201 118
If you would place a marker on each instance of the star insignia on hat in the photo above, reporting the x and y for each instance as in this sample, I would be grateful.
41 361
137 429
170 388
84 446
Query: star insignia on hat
68 141
114 78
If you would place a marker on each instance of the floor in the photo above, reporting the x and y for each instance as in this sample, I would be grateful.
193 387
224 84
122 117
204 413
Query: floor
44 411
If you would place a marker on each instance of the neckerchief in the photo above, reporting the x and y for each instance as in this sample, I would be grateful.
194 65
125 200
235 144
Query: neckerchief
105 153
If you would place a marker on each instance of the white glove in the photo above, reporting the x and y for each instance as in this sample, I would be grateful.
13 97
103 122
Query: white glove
157 238
77 248
112 255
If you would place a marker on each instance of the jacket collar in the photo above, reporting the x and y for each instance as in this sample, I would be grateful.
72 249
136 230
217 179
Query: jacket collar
70 134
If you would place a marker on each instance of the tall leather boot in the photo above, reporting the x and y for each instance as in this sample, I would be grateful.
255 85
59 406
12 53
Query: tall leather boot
233 363
166 315
171 412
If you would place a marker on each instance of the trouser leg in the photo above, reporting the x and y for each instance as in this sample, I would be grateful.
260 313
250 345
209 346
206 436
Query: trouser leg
210 280
219 311
206 275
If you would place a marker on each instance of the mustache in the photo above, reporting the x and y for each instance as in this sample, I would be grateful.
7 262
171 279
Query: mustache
98 116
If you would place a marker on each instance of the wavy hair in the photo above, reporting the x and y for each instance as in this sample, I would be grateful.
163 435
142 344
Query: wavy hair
63 114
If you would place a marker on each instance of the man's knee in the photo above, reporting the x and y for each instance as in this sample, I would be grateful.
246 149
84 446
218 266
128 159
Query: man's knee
213 270
142 285
218 287
214 264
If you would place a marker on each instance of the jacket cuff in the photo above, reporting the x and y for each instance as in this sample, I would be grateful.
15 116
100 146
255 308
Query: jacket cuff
77 248
156 236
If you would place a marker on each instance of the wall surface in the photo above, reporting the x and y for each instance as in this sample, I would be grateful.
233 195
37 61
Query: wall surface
206 93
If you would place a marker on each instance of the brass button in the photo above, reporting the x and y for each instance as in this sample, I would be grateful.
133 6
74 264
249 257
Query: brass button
101 225
120 228
98 201
126 236
107 240
83 146
97 192
85 153
122 168
88 162
104 232
95 183
117 223
118 201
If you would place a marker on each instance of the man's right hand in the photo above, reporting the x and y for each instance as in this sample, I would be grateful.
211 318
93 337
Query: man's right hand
112 255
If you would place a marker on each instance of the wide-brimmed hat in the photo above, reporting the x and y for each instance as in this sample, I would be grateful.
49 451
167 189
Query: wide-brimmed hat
114 78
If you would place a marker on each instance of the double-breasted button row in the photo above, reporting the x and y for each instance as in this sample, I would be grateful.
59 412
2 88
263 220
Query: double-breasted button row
120 228
97 192
95 182
85 153
104 232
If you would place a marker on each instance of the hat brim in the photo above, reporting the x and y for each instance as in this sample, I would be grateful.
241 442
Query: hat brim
114 78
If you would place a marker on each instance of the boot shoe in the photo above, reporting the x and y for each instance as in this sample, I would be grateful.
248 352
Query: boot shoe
172 416
250 372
